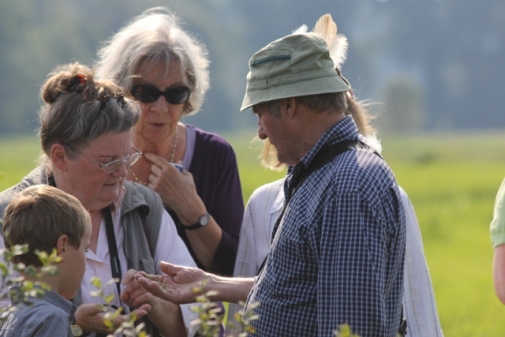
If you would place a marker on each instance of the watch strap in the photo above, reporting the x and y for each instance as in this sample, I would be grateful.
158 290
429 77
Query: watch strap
202 222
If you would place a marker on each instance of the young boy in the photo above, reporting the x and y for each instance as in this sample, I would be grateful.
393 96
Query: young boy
47 218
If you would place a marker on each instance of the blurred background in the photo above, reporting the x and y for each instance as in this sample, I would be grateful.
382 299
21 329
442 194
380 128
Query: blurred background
435 66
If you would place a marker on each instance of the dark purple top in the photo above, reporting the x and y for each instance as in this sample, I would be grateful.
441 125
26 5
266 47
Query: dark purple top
215 172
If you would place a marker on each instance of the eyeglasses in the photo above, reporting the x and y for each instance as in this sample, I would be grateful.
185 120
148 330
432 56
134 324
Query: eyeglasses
113 165
148 94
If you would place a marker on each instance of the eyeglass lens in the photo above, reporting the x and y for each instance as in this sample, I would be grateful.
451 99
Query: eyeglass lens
114 165
148 94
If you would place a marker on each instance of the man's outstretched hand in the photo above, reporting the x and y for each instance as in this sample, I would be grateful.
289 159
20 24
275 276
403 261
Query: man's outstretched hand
180 285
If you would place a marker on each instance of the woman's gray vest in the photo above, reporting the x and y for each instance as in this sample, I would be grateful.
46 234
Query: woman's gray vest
141 214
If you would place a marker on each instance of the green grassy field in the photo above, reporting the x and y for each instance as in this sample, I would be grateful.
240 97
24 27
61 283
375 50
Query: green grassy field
452 181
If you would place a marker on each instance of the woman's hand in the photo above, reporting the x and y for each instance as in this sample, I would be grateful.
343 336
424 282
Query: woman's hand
134 295
89 316
166 316
177 189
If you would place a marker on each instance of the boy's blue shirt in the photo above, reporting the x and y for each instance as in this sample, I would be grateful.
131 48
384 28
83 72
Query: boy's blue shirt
49 316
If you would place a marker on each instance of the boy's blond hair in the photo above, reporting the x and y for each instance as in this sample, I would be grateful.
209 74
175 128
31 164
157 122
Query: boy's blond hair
38 216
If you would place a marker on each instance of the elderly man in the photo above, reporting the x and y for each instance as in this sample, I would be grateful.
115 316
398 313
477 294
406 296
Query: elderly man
338 246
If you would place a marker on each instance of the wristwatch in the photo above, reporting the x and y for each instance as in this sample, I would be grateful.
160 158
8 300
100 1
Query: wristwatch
202 222
76 329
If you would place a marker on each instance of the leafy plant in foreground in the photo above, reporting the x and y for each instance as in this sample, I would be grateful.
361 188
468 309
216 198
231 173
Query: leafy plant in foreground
21 283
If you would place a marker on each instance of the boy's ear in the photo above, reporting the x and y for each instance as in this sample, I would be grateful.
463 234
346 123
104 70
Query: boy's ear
58 156
62 246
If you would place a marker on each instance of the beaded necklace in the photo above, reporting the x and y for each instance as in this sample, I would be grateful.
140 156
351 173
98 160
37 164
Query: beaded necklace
172 157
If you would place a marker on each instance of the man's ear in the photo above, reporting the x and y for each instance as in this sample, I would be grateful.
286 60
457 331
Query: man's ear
62 246
290 105
59 157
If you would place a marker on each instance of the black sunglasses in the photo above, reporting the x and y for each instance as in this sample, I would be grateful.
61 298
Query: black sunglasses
148 94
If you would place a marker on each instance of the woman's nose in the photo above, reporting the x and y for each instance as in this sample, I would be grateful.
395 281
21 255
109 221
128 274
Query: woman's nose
160 105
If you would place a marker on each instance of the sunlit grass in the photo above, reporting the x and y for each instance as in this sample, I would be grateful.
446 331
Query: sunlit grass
18 156
452 182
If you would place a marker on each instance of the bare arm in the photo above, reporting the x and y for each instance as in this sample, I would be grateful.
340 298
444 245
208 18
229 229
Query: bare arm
179 285
499 272
498 238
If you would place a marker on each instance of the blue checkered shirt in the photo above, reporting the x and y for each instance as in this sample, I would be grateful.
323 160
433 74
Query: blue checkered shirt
337 256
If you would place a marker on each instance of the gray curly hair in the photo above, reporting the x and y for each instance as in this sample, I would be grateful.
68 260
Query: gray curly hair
152 37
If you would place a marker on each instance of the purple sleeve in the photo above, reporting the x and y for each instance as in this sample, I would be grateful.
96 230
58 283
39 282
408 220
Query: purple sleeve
215 172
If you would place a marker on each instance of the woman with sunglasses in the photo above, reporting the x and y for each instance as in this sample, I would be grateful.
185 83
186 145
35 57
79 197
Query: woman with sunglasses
164 69
86 138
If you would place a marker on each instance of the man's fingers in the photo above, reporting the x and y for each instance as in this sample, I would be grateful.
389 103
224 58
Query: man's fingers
150 285
170 269
157 289
156 278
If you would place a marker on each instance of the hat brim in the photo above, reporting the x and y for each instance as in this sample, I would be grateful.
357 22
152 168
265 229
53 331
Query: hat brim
322 85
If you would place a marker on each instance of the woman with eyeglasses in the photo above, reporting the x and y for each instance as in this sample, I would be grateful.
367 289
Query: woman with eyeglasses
86 138
164 69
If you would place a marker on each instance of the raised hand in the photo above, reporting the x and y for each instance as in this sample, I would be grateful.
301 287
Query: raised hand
176 189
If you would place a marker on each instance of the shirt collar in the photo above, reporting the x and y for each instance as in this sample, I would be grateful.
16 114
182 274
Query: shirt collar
345 129
116 205
59 301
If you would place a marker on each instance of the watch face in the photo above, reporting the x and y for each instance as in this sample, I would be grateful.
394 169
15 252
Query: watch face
76 330
204 219
202 222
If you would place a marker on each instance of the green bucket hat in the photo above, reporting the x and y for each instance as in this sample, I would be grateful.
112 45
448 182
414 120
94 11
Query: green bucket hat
296 65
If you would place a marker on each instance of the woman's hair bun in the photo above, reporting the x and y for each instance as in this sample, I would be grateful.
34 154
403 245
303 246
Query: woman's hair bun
65 79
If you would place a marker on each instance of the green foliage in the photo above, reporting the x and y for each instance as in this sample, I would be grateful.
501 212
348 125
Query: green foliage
344 331
27 279
244 318
127 327
210 316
